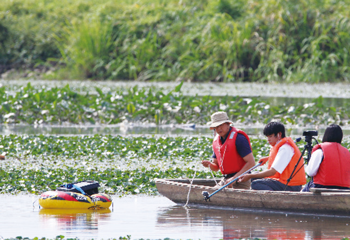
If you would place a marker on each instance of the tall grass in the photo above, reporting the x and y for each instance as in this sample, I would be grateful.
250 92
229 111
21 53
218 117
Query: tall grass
218 40
85 48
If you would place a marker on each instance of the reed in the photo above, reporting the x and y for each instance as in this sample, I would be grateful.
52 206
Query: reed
219 40
85 47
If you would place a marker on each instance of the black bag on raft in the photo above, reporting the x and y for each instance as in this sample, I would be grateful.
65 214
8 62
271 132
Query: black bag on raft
88 187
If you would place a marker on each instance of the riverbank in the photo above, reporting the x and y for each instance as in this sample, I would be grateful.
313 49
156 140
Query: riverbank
204 41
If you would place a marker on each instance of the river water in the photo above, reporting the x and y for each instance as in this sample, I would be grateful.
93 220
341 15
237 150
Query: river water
156 217
134 130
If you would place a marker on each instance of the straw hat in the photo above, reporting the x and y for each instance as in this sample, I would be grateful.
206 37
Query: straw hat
219 118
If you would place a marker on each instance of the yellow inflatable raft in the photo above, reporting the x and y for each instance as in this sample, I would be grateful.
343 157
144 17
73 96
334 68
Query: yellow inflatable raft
70 213
73 200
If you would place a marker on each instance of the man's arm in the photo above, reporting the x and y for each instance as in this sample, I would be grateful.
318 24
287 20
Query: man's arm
314 164
265 173
249 163
214 166
283 158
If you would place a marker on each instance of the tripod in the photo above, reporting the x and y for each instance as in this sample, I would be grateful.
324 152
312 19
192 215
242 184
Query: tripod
307 147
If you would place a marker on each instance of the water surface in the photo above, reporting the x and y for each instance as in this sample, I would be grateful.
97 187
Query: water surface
158 218
134 130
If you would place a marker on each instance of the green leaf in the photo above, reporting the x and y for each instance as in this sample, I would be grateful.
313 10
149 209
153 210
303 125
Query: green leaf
37 97
131 108
178 87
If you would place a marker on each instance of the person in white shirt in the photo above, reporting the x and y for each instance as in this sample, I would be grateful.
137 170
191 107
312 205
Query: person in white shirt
284 156
329 164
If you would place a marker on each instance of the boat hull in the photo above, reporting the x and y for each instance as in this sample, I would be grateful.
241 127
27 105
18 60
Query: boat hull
334 203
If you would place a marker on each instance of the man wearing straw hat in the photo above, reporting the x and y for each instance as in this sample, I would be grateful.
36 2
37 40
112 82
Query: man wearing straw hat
232 151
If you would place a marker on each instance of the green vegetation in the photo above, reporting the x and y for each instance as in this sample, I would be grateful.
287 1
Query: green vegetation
127 165
37 105
121 165
218 40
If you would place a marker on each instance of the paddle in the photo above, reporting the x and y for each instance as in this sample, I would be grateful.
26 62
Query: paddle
206 194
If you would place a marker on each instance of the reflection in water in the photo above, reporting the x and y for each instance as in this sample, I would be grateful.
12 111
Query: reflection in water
71 220
244 224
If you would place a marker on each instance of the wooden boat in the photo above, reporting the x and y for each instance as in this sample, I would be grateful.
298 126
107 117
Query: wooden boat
319 201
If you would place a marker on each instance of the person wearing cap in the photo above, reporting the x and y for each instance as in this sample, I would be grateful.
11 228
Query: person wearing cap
283 158
329 164
232 151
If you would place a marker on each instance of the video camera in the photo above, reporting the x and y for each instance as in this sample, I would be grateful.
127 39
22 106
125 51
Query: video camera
310 133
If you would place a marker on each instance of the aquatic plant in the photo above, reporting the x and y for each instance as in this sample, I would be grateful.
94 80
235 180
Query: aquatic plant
122 165
40 105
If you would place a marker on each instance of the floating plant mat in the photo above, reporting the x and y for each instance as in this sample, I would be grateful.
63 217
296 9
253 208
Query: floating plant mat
276 90
60 105
123 165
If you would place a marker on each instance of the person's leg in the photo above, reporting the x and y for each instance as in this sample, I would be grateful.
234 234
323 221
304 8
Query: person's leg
272 185
241 185
292 188
278 186
236 184
261 184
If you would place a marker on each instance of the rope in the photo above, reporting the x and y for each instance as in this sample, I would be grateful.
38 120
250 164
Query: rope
34 204
194 175
189 190
216 183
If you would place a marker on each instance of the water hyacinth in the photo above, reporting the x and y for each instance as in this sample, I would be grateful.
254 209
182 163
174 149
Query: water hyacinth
57 105
39 163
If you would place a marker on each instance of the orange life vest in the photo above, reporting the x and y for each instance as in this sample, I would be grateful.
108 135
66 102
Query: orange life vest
299 178
334 170
226 154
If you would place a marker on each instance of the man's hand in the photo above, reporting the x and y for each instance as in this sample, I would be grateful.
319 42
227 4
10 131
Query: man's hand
263 160
213 165
229 180
206 163
244 178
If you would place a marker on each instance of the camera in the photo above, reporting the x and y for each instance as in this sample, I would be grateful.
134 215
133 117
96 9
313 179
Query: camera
310 133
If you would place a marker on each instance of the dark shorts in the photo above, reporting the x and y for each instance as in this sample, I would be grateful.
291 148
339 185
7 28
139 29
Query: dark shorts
272 185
